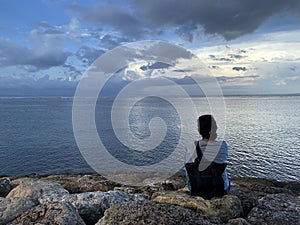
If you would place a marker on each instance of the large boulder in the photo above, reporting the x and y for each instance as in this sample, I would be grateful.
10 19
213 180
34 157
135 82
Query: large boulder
11 208
276 209
21 180
147 212
50 213
250 190
82 183
91 205
36 189
226 208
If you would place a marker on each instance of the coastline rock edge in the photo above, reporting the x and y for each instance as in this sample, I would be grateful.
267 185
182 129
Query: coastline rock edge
91 199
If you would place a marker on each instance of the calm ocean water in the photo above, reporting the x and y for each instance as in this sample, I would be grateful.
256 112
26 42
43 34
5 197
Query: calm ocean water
263 134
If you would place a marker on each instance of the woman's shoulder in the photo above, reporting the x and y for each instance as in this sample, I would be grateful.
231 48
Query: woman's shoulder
223 143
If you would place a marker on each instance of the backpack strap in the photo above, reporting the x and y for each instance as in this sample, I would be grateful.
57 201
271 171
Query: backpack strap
199 153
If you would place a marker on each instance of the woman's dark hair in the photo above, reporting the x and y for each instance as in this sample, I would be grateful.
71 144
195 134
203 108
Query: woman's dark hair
207 127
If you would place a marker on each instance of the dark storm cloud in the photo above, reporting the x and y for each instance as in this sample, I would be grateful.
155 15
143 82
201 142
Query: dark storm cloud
187 31
156 65
110 15
230 18
239 68
12 54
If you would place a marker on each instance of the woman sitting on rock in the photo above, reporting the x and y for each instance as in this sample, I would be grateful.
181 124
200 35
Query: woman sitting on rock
209 157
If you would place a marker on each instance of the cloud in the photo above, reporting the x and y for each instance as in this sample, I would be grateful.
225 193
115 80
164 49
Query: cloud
293 68
231 78
46 48
239 68
187 31
236 56
213 57
28 86
230 18
280 82
156 65
46 53
109 41
88 54
110 15
50 29
213 67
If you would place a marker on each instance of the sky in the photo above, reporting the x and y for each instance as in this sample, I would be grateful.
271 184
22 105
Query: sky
249 46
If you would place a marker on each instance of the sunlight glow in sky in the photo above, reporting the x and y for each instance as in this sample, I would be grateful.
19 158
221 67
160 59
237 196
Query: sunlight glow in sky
250 46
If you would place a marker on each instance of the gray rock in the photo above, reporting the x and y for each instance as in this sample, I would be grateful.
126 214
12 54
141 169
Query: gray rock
21 180
91 205
13 207
276 209
293 186
50 213
249 199
82 183
249 190
149 190
147 212
228 207
175 182
69 182
36 189
146 191
238 221
263 186
127 190
5 186
89 183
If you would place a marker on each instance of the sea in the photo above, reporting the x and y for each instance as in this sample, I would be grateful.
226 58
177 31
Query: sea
262 133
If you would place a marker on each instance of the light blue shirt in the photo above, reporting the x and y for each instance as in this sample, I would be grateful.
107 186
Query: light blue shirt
218 152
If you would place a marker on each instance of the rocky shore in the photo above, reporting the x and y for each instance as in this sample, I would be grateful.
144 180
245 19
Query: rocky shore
91 199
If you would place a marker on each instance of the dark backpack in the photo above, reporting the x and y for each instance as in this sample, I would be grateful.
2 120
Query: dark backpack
209 182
